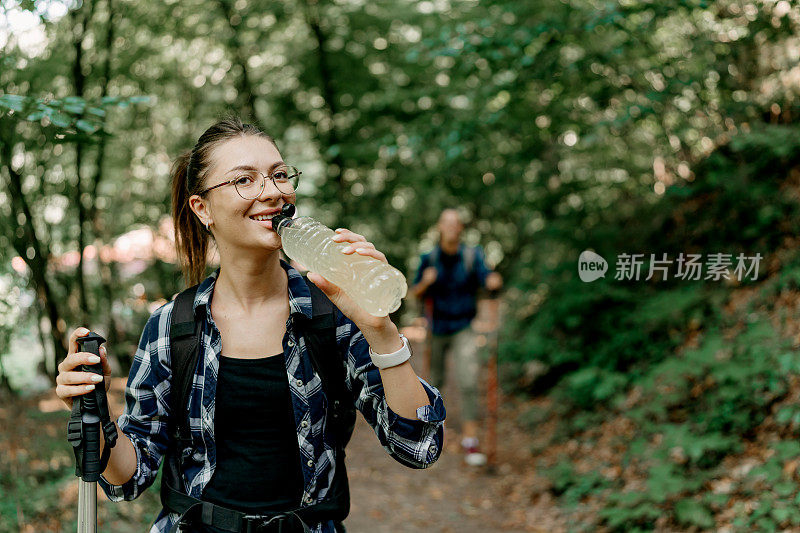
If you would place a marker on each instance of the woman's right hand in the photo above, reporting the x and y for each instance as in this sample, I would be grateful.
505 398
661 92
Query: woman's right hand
71 381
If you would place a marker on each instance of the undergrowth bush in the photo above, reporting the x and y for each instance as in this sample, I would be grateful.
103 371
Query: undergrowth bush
698 385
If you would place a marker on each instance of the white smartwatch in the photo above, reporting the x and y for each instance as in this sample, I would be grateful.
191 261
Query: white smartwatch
392 359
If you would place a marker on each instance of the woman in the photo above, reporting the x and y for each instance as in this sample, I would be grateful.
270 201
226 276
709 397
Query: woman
261 434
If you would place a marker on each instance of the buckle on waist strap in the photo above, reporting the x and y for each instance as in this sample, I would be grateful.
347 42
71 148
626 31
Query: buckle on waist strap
279 523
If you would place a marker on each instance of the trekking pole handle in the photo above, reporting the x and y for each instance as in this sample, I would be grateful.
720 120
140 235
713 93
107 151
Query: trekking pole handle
90 343
90 411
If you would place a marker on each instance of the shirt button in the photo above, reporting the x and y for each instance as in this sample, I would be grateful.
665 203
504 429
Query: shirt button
309 499
310 463
290 343
433 449
304 423
299 382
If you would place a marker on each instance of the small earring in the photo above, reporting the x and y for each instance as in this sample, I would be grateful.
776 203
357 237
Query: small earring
208 230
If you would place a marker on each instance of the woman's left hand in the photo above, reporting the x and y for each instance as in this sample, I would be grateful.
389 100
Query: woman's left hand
358 244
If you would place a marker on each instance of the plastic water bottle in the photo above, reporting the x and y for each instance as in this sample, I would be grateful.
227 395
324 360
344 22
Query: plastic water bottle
374 285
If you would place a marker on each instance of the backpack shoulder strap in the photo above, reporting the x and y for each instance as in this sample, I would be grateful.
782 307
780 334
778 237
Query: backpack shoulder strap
321 307
469 258
320 338
435 257
184 343
467 255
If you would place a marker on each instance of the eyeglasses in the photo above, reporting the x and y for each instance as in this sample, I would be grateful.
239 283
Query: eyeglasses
249 186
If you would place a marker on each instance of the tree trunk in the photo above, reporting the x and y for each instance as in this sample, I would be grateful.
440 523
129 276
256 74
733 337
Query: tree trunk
5 385
33 252
50 363
245 98
331 137
80 17
107 270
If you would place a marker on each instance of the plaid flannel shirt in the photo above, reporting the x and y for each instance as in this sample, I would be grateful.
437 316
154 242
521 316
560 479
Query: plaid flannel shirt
416 443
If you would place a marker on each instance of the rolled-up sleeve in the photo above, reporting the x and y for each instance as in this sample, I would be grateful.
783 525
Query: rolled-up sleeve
144 421
416 443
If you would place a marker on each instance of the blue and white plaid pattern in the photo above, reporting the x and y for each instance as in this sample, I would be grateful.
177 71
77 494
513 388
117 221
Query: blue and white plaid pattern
416 443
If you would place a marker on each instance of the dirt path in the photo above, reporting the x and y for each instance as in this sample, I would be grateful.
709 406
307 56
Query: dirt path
450 496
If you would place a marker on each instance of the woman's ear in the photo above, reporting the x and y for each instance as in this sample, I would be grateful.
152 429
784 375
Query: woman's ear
200 208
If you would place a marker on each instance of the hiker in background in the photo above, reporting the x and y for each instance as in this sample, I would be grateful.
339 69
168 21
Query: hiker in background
261 449
449 278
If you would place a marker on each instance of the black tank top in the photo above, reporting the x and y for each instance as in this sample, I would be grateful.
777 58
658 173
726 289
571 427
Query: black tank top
258 459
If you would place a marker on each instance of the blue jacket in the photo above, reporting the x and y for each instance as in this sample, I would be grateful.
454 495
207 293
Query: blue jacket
455 290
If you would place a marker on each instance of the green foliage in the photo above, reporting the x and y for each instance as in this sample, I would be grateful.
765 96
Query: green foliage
398 114
693 410
638 127
630 511
693 513
71 116
589 387
571 486
773 490
743 197
614 350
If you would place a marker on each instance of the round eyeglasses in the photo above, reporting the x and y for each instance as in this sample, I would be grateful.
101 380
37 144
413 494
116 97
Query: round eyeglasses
250 183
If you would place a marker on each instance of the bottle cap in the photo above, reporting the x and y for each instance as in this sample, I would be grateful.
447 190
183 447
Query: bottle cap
284 218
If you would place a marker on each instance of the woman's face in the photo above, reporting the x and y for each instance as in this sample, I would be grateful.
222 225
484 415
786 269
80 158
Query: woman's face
233 225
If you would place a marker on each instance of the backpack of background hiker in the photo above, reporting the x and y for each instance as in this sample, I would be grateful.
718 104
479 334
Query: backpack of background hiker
319 334
467 256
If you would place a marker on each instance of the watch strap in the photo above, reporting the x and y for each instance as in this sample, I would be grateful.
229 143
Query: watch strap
392 359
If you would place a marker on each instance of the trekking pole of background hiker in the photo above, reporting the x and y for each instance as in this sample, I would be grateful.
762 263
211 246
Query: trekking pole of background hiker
493 314
89 417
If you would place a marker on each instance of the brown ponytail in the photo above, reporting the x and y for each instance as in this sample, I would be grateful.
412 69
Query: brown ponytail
188 178
191 239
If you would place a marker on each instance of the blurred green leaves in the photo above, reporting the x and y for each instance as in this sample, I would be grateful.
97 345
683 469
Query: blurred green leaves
639 127
69 114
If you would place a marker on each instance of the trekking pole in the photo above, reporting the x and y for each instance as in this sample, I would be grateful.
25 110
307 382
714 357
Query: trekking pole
89 417
493 308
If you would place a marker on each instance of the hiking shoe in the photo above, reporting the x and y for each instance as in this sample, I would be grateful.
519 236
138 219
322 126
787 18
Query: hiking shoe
472 454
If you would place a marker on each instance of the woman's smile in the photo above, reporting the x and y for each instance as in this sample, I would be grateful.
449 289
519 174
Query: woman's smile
264 218
265 223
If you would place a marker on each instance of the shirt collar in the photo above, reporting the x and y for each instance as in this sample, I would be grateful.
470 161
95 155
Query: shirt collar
458 252
299 293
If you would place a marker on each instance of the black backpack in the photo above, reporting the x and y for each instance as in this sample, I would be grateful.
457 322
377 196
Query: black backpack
319 334
467 255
